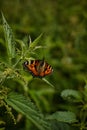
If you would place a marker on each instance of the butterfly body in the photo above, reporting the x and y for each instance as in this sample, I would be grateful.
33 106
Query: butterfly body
38 68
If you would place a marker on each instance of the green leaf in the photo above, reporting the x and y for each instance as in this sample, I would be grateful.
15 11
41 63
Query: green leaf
27 108
68 117
48 82
70 94
59 125
10 42
35 42
23 47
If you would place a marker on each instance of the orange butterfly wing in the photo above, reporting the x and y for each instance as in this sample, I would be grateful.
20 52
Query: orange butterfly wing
46 70
38 68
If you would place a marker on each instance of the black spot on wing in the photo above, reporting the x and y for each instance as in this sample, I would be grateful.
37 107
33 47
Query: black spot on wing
31 62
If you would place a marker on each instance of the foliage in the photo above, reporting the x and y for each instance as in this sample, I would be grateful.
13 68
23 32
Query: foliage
59 100
11 71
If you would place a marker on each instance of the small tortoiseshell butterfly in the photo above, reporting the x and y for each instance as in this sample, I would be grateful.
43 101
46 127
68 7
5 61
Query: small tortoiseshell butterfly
38 68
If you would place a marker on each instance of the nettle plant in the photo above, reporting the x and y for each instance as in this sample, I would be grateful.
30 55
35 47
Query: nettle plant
11 72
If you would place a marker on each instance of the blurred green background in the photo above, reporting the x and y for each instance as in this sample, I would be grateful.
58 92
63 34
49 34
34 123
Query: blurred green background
64 24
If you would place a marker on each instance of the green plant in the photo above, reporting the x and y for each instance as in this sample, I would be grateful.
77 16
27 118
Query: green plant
77 100
14 91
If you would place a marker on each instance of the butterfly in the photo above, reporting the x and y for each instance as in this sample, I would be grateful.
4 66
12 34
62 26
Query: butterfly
38 68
